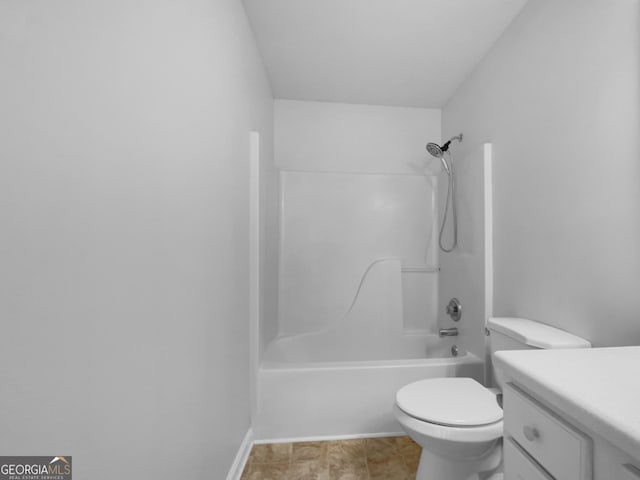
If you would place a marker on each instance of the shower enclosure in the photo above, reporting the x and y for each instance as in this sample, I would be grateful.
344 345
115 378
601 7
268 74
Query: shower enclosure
358 281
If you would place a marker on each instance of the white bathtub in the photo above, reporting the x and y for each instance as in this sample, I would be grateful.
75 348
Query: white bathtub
311 389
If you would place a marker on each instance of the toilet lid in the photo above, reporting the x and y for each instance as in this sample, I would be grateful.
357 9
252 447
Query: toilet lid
458 402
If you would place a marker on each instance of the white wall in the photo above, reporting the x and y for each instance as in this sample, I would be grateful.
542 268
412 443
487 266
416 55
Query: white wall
558 97
375 52
124 143
340 137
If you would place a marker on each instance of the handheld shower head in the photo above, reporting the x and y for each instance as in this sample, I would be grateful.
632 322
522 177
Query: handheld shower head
437 151
434 150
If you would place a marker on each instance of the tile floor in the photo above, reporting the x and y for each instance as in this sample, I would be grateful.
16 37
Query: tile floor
386 458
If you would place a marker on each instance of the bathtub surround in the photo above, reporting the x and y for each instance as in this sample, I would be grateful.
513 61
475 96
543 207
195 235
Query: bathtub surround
310 138
338 233
466 273
372 326
353 191
124 147
558 95
358 269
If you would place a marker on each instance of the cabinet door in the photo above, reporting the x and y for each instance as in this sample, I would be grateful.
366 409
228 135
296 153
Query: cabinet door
519 466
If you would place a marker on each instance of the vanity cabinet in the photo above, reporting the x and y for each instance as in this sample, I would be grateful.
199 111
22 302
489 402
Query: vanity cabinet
571 414
556 448
540 444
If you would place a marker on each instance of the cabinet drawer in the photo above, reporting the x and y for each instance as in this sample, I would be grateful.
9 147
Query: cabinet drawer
562 450
518 466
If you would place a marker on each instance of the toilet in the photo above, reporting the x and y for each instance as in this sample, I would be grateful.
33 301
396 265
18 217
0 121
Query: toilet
457 421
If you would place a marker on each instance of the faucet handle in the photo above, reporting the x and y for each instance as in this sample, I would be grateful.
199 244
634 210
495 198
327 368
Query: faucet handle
454 309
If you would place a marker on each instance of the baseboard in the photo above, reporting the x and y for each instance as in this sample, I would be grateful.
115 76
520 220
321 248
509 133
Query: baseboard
235 472
327 437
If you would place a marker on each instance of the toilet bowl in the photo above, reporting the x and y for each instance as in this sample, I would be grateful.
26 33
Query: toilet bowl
458 424
457 421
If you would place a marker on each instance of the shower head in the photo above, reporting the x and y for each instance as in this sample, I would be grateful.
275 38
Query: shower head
434 150
437 151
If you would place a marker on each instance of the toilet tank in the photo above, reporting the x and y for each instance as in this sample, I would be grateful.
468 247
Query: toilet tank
510 333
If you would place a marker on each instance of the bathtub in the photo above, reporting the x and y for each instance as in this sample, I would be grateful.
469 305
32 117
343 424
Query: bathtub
309 388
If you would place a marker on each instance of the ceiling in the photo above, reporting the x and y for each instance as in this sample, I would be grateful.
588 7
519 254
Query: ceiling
383 52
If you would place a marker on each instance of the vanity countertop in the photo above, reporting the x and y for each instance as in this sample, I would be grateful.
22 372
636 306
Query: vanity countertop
598 387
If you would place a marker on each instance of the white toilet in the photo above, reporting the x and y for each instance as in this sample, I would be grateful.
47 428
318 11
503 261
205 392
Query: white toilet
457 421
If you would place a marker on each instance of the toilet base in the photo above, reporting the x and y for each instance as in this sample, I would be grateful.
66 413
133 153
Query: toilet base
486 467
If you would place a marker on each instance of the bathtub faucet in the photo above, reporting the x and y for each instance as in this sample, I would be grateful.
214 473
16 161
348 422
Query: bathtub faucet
448 332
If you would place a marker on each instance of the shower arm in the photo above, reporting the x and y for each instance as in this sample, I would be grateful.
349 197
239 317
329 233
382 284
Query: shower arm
445 147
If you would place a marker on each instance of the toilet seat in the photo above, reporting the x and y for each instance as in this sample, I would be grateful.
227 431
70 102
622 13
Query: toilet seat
449 402
483 433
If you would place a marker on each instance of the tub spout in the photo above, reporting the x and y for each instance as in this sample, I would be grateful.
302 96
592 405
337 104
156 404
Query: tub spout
448 332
